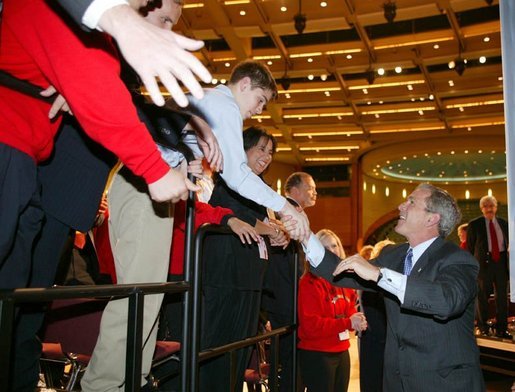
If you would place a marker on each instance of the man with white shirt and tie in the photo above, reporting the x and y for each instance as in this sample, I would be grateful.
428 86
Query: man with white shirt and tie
487 240
430 287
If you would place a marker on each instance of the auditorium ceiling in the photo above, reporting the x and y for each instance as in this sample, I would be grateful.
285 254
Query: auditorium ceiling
427 82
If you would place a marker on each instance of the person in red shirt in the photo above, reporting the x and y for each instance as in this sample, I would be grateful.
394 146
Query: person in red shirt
326 315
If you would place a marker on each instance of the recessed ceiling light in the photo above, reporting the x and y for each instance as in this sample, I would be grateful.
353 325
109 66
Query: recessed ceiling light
327 93
349 56
311 77
469 129
365 91
410 87
284 9
288 96
223 81
380 102
461 109
227 65
398 69
431 97
421 112
499 78
269 62
486 39
243 13
451 83
323 77
482 59
310 60
380 71
214 81
323 4
369 102
436 46
376 115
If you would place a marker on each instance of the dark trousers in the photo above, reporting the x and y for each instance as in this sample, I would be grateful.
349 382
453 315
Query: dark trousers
325 372
494 275
228 315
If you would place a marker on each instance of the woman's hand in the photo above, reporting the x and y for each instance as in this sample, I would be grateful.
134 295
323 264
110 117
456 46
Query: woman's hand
358 321
280 236
245 231
59 104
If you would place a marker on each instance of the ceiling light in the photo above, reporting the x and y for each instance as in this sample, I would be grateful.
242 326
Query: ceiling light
451 64
311 77
284 9
398 69
300 20
486 39
323 77
285 82
223 81
243 13
451 83
431 97
482 59
310 60
365 91
370 75
380 71
269 62
436 46
327 94
323 4
461 109
227 65
390 10
214 81
459 66
349 56
410 87
287 95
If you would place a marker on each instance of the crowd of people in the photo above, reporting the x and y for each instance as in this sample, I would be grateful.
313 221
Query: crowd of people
412 303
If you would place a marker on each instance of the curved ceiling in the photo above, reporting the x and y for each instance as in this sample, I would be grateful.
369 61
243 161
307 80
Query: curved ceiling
338 105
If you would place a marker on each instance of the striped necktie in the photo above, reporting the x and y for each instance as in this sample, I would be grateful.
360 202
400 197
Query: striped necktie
408 262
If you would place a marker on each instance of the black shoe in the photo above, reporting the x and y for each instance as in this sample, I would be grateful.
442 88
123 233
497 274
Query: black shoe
504 335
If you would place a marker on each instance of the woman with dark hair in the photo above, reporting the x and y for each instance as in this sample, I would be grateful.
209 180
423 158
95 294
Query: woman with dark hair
233 272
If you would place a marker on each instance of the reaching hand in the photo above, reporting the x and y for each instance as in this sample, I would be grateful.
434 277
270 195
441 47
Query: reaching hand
295 222
358 321
173 186
195 168
156 53
245 231
360 266
59 104
208 143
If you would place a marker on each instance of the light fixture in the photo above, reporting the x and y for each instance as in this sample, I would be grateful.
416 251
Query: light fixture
390 10
300 20
459 65
285 81
370 75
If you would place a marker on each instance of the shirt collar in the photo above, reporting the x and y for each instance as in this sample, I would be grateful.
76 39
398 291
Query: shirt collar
421 248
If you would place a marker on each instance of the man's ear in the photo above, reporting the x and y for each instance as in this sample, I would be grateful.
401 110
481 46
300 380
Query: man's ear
244 83
433 219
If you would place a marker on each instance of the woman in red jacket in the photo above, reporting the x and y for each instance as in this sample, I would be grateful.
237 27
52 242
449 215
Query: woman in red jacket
326 314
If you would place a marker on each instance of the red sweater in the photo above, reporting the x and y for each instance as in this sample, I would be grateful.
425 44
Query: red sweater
39 46
204 213
321 318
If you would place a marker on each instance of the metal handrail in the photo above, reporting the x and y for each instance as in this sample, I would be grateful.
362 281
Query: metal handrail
196 283
134 292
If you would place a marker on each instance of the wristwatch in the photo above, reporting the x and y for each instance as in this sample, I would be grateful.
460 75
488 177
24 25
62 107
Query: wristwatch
380 276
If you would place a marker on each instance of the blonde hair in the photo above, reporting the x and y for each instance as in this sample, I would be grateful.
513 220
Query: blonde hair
378 247
324 233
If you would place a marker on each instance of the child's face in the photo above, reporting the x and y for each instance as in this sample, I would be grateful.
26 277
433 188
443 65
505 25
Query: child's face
252 100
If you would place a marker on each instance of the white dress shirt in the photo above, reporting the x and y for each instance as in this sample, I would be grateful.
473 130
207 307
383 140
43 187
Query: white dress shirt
96 9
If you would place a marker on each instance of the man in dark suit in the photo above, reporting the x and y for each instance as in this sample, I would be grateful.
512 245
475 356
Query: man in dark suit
430 287
487 240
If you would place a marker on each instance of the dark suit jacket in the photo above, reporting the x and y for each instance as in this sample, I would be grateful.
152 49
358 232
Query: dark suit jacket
75 8
430 343
477 238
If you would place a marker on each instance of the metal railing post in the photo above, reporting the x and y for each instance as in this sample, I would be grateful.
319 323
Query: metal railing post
134 342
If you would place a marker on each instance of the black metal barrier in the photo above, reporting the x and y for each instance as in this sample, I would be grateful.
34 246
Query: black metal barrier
196 284
190 346
135 293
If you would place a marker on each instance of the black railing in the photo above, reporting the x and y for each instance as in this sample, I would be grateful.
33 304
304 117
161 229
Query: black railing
190 345
135 293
